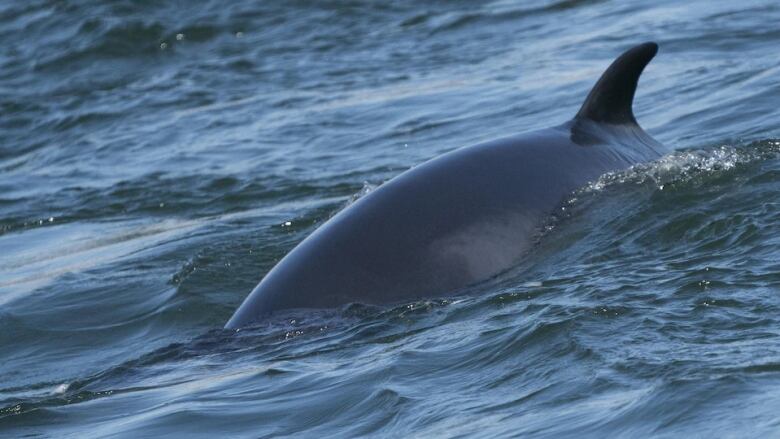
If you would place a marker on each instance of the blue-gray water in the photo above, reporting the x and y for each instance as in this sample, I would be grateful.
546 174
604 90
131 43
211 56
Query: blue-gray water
157 158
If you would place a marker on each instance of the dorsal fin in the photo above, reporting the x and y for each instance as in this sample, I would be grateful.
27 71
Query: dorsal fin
610 99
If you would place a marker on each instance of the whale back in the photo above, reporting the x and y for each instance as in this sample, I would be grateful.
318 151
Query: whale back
462 217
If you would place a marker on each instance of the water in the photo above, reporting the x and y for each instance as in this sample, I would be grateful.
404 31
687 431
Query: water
156 159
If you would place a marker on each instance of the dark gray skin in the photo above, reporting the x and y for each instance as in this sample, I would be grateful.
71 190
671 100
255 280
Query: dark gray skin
462 217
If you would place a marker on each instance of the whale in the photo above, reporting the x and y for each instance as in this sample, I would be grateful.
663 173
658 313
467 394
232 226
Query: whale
463 217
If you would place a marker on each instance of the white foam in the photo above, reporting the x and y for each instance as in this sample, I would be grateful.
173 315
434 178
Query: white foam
681 166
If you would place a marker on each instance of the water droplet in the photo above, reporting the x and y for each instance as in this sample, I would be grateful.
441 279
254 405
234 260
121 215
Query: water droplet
239 34
163 46
179 37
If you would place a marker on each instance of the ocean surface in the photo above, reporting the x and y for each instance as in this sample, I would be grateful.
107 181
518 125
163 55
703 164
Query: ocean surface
158 157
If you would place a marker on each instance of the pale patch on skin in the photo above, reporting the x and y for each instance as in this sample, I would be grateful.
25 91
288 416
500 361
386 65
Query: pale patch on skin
487 247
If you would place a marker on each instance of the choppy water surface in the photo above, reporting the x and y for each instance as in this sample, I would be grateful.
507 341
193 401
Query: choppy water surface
157 158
